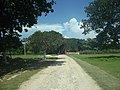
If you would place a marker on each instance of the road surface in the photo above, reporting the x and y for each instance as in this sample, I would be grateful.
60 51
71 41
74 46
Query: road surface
66 74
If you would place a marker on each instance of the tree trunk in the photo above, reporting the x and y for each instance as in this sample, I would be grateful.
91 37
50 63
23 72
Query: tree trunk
24 48
4 49
44 55
5 57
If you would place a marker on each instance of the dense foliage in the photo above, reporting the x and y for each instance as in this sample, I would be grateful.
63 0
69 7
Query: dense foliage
52 42
73 44
104 19
16 14
48 42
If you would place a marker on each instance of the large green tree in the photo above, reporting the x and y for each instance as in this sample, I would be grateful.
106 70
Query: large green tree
48 42
16 14
104 19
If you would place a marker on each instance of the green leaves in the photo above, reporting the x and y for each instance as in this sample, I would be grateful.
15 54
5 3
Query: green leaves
16 14
104 19
45 41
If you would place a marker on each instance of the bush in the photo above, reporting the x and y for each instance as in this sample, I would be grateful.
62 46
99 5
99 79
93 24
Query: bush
100 51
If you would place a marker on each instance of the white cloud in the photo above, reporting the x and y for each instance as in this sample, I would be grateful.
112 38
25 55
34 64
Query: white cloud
43 27
30 32
69 29
66 37
72 29
53 27
72 26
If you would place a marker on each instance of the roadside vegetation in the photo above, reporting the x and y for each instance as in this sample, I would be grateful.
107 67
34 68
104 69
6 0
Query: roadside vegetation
21 68
12 81
27 56
103 68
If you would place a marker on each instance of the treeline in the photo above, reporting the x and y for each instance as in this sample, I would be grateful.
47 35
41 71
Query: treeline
53 43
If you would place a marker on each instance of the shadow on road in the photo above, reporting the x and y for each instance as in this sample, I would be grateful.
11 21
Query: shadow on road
21 64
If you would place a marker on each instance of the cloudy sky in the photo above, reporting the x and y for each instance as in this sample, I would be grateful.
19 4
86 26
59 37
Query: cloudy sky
66 19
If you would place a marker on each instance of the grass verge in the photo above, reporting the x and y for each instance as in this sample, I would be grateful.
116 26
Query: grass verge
21 68
103 68
27 56
35 56
14 83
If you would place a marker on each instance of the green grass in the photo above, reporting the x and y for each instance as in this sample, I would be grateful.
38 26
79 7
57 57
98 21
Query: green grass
14 83
24 66
27 56
34 56
104 68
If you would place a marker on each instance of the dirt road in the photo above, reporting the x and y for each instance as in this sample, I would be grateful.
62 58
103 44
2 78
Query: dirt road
65 75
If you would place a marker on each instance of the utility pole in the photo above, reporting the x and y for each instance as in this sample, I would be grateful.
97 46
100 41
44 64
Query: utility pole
24 45
25 48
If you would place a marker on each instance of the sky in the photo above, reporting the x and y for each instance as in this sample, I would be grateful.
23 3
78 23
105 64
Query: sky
66 19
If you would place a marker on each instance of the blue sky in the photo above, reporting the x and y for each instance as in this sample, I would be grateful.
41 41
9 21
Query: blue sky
64 10
65 19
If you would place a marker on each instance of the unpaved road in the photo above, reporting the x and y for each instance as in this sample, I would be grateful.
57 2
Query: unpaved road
65 75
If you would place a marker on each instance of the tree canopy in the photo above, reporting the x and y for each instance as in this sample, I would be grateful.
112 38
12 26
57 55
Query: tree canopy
48 42
16 14
104 19
71 44
10 42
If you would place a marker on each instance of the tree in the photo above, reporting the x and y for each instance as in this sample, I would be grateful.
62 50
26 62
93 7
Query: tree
16 14
49 42
71 44
11 42
53 41
86 44
104 19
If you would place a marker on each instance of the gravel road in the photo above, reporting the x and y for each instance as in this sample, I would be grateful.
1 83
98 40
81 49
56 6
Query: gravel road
66 74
